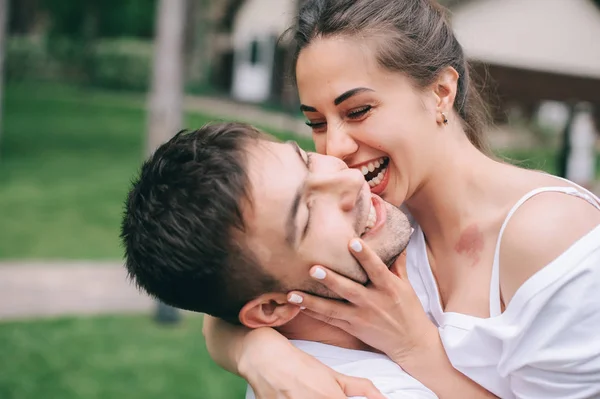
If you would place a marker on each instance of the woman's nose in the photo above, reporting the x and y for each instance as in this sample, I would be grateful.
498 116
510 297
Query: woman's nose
339 143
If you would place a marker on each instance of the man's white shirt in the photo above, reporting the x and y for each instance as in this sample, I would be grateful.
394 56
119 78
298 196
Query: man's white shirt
387 376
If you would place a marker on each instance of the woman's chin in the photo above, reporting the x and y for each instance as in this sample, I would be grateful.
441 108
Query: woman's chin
392 196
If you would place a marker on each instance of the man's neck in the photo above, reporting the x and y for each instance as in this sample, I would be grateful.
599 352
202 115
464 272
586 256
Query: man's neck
306 328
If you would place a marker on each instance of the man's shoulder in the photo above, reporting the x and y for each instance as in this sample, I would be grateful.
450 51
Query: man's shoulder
332 355
389 378
386 375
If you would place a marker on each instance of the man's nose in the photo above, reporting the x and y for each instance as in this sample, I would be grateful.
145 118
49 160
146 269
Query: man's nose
339 143
343 186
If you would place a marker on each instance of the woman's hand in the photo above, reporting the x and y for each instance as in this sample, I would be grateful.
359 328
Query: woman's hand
386 314
276 369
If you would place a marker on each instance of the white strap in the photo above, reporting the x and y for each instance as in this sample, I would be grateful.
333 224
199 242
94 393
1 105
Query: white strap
594 199
495 306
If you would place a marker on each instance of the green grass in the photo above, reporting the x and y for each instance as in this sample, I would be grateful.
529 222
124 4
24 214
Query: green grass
110 357
67 156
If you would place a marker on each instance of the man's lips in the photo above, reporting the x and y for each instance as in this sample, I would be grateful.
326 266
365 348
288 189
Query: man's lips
380 218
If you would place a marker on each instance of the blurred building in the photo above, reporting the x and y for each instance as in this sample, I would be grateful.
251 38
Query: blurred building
539 57
533 49
256 58
251 62
532 52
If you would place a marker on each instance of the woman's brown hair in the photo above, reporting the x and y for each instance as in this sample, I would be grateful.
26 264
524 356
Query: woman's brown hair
411 36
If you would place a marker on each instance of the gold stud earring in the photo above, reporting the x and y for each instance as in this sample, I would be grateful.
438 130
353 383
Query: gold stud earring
445 120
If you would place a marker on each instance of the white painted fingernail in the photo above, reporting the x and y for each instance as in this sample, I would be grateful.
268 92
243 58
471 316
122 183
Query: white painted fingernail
318 273
295 298
302 307
355 245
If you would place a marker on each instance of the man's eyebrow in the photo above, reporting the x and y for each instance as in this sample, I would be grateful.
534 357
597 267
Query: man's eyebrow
290 224
339 99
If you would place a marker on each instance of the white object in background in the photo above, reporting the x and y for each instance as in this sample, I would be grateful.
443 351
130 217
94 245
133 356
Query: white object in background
582 158
253 69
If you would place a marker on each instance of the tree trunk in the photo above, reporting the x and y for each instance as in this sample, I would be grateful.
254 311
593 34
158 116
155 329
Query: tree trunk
195 36
3 35
166 93
166 97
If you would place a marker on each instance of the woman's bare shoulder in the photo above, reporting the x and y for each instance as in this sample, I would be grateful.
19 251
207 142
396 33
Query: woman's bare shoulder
541 229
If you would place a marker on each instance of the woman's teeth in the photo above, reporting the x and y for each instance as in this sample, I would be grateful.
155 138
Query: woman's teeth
374 171
377 179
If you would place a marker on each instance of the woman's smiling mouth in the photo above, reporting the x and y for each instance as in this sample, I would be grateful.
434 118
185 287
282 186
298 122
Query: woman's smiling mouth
376 173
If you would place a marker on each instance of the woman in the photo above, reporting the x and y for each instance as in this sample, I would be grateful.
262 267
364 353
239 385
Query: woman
505 261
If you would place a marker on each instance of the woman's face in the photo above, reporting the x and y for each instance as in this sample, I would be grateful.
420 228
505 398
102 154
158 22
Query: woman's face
372 119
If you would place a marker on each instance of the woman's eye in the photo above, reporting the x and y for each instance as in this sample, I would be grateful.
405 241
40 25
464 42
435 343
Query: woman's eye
316 126
359 112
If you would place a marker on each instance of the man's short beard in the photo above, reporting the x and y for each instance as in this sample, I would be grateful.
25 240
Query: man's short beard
318 289
393 259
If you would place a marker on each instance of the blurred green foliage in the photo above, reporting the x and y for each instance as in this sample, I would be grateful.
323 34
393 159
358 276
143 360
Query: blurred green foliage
121 64
66 159
99 18
102 43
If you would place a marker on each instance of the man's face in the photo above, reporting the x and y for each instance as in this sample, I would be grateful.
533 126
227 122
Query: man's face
306 208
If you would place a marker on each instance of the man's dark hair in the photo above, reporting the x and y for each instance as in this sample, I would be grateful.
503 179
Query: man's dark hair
183 224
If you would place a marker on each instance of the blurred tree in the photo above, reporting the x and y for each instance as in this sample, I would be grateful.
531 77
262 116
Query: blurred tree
74 27
165 116
26 17
166 88
110 18
208 22
196 28
3 33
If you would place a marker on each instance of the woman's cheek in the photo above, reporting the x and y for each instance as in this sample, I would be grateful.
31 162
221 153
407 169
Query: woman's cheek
320 144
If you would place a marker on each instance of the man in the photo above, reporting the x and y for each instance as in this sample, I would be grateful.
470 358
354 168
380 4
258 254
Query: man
226 221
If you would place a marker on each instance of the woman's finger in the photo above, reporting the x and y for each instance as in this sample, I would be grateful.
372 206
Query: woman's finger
353 386
329 309
378 272
339 323
399 267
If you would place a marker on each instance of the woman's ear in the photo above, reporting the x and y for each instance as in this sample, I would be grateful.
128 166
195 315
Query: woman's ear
444 89
268 310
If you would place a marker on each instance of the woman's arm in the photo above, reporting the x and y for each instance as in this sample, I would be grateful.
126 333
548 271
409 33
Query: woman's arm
224 342
275 368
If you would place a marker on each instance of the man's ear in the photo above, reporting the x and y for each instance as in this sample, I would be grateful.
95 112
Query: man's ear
444 89
268 310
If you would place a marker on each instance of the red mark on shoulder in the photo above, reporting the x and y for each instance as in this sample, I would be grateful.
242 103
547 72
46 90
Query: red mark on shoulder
470 243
